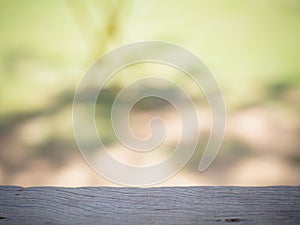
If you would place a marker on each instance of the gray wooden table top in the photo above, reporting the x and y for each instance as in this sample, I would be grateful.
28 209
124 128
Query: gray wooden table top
166 205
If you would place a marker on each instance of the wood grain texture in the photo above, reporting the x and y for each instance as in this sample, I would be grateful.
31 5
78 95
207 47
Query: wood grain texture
166 205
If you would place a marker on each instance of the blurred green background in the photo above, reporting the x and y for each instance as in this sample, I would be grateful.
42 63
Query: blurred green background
252 48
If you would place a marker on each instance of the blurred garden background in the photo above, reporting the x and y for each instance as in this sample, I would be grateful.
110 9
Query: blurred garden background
252 48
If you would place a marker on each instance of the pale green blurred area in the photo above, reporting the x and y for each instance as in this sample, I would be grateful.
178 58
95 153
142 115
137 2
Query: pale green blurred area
252 48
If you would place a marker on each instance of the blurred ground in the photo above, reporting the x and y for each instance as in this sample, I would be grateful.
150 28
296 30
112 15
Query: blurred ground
251 47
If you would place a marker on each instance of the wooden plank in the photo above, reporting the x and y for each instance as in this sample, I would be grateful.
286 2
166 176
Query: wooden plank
166 205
